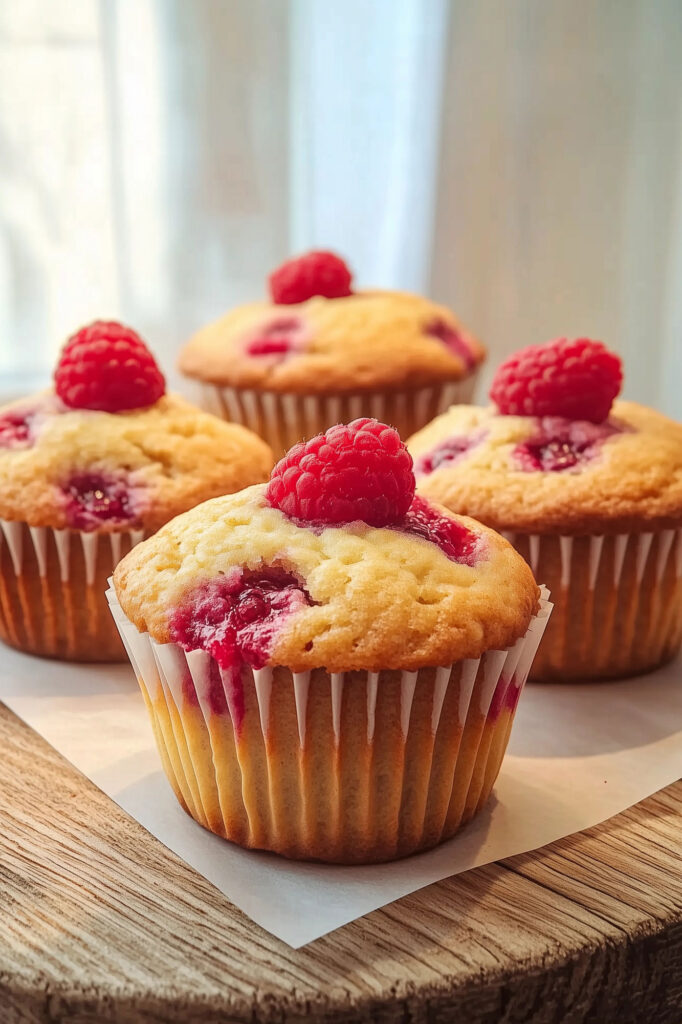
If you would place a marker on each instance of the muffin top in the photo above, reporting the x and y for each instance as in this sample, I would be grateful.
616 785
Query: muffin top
342 598
109 450
268 577
545 474
93 470
318 341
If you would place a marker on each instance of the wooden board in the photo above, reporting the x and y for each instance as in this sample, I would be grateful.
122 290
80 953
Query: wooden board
99 922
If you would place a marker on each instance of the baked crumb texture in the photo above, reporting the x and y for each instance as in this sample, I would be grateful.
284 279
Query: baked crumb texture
367 341
601 527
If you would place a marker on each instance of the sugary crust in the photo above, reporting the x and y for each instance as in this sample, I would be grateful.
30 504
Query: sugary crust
367 341
172 454
633 483
383 599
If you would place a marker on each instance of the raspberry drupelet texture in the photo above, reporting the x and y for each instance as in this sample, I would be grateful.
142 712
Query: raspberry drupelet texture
107 366
575 379
356 471
315 273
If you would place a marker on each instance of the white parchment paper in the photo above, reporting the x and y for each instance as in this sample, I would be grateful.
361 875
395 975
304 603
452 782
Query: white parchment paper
578 755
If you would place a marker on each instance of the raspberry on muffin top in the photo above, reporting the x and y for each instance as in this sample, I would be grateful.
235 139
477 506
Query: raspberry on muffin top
109 450
319 335
293 573
555 451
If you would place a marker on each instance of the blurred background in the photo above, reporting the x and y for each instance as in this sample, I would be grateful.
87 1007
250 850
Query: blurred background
519 161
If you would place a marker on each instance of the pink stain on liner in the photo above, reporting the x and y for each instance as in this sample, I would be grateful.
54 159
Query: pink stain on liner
505 698
215 692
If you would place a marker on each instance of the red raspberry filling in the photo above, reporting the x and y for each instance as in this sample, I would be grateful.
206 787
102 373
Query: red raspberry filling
454 539
315 273
15 430
235 618
452 340
94 498
447 453
562 444
108 367
359 471
280 337
574 379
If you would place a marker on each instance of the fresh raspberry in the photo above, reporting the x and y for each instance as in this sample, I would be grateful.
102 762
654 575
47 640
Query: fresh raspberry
107 366
315 273
359 471
576 379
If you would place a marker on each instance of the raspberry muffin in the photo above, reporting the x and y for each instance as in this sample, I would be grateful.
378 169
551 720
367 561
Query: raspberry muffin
89 469
588 490
330 664
318 352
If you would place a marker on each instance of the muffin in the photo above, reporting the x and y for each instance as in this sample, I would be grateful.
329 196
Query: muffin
317 353
587 489
331 665
89 469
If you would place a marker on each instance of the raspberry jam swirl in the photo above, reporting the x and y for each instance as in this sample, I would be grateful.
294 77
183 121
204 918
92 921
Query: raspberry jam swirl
560 445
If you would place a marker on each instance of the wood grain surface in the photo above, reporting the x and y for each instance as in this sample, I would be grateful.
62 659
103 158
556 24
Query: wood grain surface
99 922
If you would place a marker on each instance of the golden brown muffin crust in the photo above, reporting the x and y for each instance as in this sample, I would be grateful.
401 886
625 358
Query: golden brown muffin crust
171 456
633 482
369 340
381 598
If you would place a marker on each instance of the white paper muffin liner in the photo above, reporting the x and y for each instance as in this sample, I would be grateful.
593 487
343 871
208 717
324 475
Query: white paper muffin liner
618 601
284 419
52 590
347 767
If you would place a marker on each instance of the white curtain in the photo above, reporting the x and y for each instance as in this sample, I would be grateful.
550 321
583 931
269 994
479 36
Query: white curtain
520 161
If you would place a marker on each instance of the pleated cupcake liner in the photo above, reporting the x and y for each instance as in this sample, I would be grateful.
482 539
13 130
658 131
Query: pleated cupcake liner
52 585
617 602
349 767
284 419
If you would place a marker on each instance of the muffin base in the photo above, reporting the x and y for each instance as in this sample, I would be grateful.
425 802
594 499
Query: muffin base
346 768
284 419
52 584
617 603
